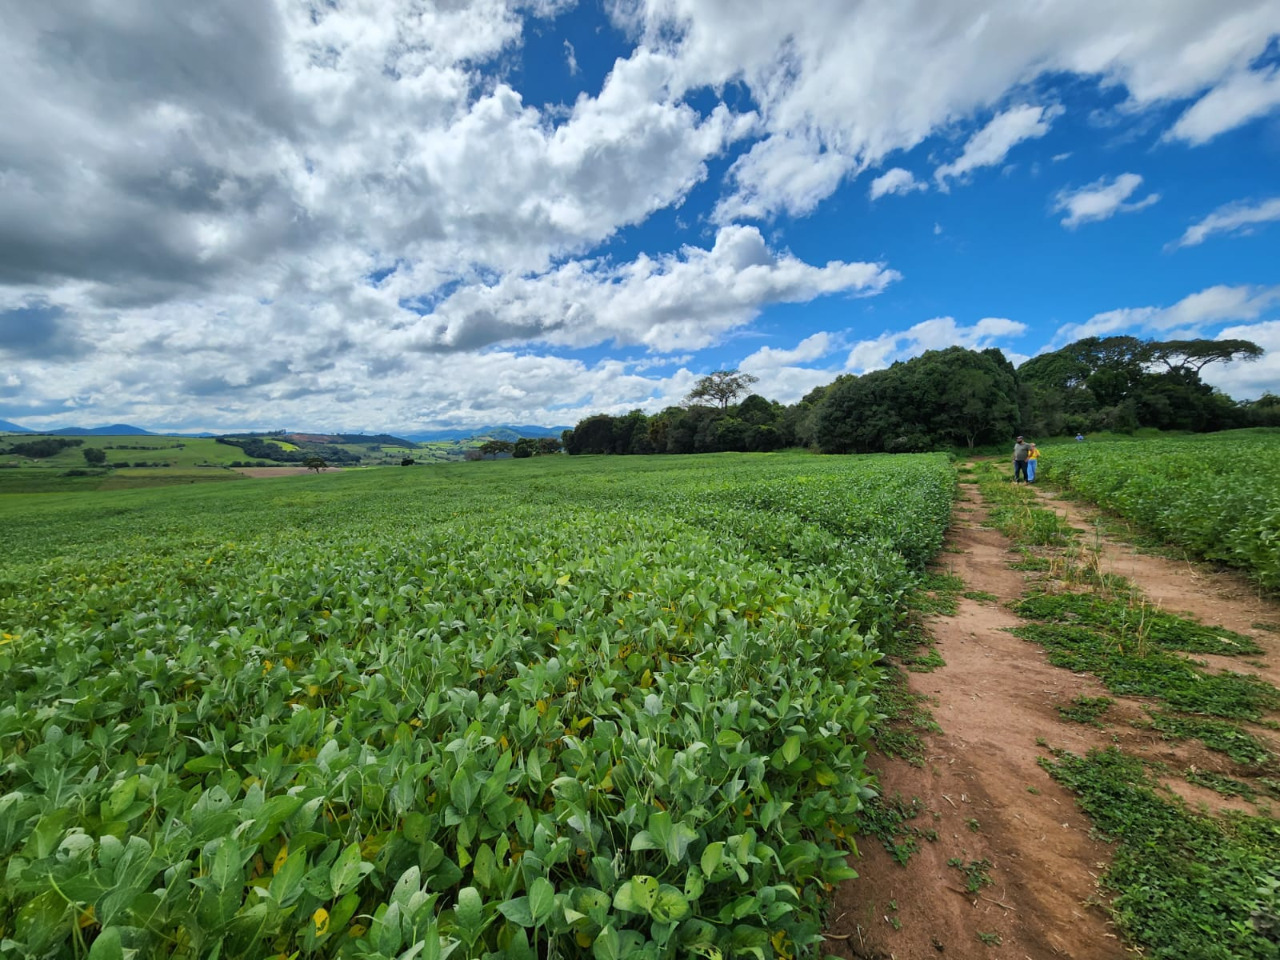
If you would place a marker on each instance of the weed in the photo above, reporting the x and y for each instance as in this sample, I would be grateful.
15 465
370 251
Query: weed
990 939
1174 679
886 819
981 596
1132 621
973 824
1220 735
975 872
1177 874
1034 790
1086 710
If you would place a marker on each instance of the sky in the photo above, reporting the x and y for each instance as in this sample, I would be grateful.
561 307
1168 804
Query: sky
406 215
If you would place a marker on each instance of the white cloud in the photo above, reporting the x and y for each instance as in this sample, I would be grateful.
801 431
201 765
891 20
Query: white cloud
1248 380
1101 200
195 236
849 84
935 334
571 58
1231 218
675 302
1188 318
1242 97
782 378
992 143
897 180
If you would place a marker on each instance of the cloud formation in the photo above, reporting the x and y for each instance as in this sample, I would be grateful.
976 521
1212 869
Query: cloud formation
990 145
896 180
1101 200
936 334
1231 218
344 214
1190 317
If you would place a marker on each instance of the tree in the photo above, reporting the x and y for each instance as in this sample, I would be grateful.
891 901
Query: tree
315 463
524 448
406 461
1195 355
94 456
722 386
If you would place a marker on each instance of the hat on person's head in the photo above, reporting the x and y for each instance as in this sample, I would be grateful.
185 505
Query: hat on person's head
1019 438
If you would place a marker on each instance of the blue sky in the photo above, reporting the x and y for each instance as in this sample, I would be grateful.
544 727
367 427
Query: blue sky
402 215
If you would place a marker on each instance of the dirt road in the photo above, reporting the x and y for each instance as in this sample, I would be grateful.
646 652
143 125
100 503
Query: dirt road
997 814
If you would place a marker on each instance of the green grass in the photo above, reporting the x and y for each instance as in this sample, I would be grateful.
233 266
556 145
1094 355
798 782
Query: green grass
1240 745
1187 886
1130 671
1135 622
1086 710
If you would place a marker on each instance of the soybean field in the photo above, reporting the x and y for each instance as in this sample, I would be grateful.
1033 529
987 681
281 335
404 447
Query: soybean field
1216 495
579 708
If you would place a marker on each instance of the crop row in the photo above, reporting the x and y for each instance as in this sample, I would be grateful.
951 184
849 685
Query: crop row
441 718
1217 495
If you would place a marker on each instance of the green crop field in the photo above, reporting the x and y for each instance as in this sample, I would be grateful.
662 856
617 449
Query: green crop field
551 707
1217 495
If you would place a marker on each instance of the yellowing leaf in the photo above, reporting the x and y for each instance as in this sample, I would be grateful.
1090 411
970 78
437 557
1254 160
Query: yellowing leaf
779 941
562 581
321 920
542 708
281 857
646 679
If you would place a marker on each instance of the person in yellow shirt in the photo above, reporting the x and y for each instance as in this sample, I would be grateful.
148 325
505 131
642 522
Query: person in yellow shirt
1032 456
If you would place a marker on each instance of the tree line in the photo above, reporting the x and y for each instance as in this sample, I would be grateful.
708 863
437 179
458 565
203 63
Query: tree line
949 398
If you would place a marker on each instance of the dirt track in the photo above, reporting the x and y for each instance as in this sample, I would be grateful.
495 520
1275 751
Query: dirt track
981 786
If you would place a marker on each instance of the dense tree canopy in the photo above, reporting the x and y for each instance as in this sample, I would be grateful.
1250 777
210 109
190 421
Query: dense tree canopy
949 398
952 397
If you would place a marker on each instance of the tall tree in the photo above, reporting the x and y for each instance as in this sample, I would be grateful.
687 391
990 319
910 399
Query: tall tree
722 386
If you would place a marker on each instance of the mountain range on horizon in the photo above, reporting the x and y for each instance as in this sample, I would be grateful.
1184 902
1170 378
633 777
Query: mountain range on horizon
497 431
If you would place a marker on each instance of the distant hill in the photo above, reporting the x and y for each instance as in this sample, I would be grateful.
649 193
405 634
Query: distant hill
505 431
110 430
9 427
382 439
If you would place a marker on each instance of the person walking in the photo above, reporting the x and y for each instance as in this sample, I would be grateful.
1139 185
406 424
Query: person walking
1032 457
1021 450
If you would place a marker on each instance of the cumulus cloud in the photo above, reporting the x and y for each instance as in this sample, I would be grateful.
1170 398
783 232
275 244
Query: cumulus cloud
1101 200
849 85
896 180
1248 380
786 375
1231 218
992 143
362 187
935 334
1243 96
676 302
1188 318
